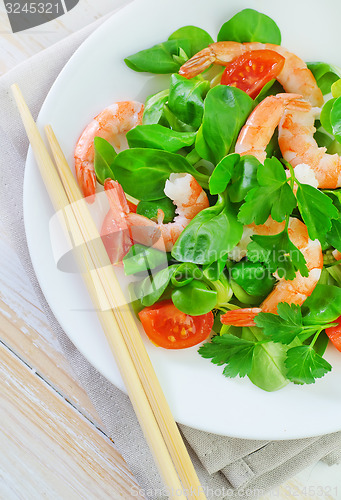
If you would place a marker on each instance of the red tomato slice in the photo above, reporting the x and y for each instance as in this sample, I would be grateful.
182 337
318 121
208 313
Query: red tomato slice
170 328
252 70
334 334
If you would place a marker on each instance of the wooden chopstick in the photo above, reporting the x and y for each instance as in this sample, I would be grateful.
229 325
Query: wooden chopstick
123 359
101 277
131 334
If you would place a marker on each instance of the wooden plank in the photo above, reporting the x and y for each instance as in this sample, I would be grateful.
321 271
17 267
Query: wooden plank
51 450
24 329
18 47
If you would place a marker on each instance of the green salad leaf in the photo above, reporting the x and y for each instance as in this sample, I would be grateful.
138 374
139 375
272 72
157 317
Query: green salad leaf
143 172
158 137
186 99
154 106
197 37
195 298
225 112
104 157
150 208
335 118
141 258
268 369
244 178
211 234
222 173
253 277
325 75
249 25
162 58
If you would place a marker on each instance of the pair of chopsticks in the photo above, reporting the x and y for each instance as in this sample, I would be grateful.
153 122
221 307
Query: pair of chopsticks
119 325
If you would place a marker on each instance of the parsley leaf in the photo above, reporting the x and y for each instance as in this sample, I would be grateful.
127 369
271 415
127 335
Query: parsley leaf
283 327
273 196
305 365
317 210
279 253
227 349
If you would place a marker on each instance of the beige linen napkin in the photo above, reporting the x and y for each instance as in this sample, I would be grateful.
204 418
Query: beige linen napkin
227 467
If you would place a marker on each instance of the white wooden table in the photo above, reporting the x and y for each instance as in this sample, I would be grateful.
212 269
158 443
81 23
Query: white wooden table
52 441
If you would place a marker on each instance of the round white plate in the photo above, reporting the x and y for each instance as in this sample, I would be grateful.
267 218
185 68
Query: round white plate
96 76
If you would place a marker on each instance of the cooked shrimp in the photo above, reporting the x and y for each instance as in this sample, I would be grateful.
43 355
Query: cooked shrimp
262 122
111 124
298 146
294 77
292 292
186 194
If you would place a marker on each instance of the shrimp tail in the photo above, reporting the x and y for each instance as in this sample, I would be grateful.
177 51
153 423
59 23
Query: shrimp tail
86 178
116 232
198 63
241 317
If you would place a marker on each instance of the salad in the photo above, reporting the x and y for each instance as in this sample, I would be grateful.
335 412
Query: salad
224 200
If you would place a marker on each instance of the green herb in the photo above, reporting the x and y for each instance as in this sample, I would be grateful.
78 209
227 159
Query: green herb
316 210
248 25
304 365
272 197
236 353
279 254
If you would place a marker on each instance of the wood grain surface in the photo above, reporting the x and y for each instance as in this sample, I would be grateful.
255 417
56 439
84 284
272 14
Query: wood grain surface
52 441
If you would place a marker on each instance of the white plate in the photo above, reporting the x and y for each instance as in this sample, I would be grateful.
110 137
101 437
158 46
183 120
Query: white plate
96 75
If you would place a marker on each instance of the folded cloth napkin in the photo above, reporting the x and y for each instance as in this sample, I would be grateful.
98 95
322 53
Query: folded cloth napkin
227 467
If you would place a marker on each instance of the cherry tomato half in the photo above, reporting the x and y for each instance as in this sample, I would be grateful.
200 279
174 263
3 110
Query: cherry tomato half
252 70
334 334
170 328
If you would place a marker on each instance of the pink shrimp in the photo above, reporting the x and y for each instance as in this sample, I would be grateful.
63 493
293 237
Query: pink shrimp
298 146
291 292
294 77
111 124
186 194
262 122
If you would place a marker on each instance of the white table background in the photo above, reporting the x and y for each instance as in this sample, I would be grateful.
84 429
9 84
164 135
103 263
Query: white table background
52 442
